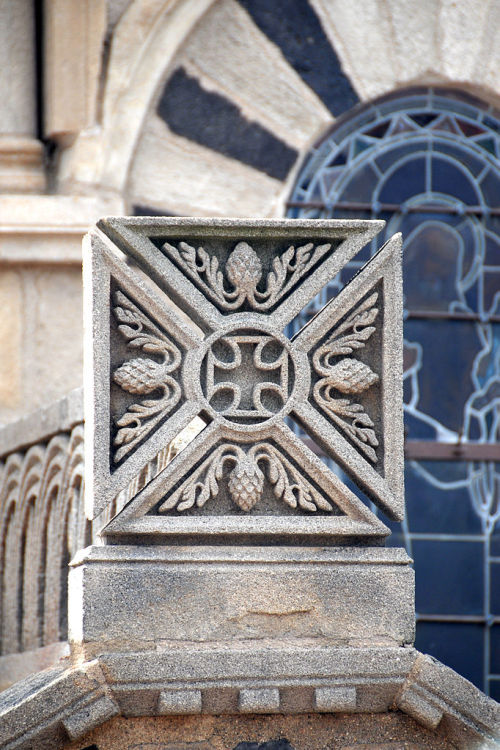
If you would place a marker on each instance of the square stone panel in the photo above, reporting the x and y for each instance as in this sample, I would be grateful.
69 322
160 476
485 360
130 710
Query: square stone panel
153 370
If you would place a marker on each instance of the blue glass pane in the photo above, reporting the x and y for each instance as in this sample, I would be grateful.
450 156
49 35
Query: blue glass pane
490 188
361 186
469 160
415 427
432 254
495 588
491 291
432 509
449 577
458 645
492 255
495 541
495 689
423 118
449 351
405 182
495 649
390 157
450 180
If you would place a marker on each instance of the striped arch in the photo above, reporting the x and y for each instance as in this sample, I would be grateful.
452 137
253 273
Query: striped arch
209 106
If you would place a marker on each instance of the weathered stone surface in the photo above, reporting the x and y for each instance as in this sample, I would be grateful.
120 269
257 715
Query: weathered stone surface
240 282
126 598
16 667
43 424
10 338
41 296
259 700
45 710
335 699
433 690
34 595
254 732
90 716
32 711
179 702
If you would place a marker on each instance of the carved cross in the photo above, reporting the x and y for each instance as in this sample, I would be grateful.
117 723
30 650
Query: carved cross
246 376
198 329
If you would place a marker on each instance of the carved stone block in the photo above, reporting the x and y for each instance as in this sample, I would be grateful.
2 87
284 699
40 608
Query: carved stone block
194 325
259 700
179 702
125 598
335 699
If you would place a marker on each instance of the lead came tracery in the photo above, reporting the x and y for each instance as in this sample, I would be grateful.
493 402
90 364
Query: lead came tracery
427 162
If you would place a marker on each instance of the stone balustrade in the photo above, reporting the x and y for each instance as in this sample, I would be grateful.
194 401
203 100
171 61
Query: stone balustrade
42 523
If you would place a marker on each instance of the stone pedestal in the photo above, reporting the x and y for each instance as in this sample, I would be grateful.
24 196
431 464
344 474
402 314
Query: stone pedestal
126 599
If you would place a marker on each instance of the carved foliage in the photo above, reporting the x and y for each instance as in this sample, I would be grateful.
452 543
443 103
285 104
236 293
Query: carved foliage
340 374
249 472
244 272
142 377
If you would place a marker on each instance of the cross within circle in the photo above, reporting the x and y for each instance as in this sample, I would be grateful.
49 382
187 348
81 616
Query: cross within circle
247 376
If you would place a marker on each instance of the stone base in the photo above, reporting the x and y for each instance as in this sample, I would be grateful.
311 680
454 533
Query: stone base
21 165
314 732
140 598
145 700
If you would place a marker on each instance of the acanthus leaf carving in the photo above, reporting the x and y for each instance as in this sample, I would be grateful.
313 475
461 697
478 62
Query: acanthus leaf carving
244 272
246 481
143 376
348 376
359 322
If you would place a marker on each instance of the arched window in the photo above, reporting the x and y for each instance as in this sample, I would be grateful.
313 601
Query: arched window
427 161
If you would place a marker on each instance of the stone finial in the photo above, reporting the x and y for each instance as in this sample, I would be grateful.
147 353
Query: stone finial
195 326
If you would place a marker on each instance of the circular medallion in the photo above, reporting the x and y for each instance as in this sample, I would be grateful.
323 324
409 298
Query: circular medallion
247 376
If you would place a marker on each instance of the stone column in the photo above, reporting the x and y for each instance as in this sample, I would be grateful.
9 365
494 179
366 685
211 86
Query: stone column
21 154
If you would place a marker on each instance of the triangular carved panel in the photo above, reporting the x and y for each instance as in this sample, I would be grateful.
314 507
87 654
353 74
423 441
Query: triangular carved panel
354 406
275 487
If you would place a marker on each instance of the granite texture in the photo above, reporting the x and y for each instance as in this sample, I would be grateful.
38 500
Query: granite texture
311 688
43 424
240 283
127 598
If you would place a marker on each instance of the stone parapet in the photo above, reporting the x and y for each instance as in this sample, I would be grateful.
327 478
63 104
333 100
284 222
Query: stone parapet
153 694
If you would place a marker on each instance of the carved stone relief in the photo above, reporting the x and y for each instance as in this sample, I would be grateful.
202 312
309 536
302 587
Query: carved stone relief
244 272
344 376
143 376
199 330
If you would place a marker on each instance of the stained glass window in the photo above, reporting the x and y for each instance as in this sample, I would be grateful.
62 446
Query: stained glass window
427 161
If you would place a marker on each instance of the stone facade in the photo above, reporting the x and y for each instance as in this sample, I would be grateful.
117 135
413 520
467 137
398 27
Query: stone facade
117 78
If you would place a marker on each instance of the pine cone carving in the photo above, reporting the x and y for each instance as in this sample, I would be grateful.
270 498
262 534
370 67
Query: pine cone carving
244 268
246 482
351 376
139 376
